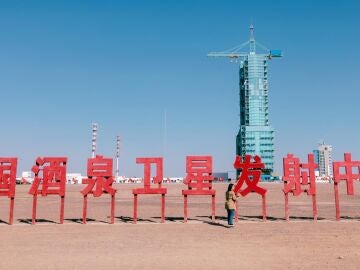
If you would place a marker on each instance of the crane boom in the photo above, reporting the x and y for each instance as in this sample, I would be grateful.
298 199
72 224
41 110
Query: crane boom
238 52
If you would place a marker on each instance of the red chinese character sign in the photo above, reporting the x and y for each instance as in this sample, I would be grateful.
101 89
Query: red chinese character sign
298 178
157 179
250 176
7 182
350 172
199 180
50 179
99 181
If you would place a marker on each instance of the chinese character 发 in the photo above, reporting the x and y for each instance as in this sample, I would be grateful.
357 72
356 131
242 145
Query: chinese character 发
250 175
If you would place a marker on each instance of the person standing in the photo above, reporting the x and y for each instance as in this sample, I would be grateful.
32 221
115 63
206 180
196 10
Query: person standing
230 204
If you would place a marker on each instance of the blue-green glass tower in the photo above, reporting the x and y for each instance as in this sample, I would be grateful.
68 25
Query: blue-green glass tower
255 136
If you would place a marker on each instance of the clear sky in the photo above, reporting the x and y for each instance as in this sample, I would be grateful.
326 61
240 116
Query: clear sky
127 64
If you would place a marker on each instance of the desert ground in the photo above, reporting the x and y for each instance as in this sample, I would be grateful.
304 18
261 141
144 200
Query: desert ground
300 243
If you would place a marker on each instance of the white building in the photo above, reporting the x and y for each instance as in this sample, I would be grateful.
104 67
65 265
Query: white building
324 160
74 178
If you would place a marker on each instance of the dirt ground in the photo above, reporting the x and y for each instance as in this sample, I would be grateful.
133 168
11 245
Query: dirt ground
199 244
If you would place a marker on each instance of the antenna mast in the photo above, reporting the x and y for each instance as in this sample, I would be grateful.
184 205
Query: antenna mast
252 40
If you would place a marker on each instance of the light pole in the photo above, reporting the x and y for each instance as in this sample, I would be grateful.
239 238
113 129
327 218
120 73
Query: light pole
94 134
117 156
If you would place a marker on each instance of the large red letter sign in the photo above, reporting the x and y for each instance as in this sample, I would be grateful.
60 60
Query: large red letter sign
50 172
99 181
199 180
147 189
349 176
7 182
250 175
294 180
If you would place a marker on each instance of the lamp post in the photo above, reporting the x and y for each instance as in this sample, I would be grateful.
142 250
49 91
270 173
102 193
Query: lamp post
117 156
94 135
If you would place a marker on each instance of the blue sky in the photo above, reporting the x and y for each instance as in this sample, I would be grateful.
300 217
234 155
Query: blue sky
125 64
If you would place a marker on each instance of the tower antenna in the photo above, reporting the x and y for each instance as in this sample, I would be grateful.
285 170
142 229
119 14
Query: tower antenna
252 40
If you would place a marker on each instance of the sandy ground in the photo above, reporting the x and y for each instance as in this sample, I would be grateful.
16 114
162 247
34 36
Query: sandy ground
199 244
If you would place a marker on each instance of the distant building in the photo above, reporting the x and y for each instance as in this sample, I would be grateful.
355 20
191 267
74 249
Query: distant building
323 157
74 178
27 177
221 176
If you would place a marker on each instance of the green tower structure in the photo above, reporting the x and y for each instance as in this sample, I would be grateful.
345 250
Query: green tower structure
256 135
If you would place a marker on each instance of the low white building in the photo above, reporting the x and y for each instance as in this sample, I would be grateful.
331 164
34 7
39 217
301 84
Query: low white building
74 178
